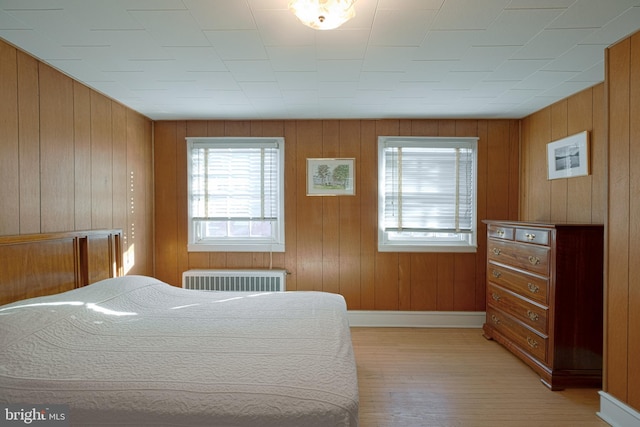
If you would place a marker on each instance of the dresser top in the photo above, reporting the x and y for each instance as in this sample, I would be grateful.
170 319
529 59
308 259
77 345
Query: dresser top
539 224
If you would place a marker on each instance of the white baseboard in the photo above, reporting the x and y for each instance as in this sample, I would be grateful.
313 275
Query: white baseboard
416 319
617 413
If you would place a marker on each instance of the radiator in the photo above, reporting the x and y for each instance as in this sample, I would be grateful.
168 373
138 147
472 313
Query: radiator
235 280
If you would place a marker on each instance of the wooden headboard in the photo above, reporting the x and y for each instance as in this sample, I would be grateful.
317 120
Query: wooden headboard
33 265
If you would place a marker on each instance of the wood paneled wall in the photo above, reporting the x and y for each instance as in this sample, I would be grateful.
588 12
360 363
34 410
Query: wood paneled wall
72 159
331 241
610 195
622 310
579 199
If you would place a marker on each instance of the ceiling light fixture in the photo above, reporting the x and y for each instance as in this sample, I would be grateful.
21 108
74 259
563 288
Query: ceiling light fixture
323 14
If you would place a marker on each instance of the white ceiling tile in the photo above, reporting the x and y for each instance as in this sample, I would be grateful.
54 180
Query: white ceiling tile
540 4
255 90
10 22
409 4
136 80
237 45
380 58
300 97
251 71
101 15
515 27
543 80
145 4
83 69
578 58
292 58
550 44
296 81
517 69
592 75
456 80
119 46
57 24
38 45
341 44
33 4
468 14
257 5
372 97
221 14
441 96
339 70
591 13
516 96
415 89
443 45
196 58
491 89
401 27
428 71
214 80
336 90
270 107
374 80
281 28
171 27
616 29
564 89
396 58
484 58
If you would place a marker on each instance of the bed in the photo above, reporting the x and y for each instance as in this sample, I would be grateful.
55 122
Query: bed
133 350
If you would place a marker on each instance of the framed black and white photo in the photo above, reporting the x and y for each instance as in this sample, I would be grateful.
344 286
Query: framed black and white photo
568 157
331 177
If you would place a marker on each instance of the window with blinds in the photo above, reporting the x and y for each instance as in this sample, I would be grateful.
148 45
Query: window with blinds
236 194
427 194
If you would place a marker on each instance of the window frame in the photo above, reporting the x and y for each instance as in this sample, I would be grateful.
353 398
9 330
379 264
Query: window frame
469 245
277 244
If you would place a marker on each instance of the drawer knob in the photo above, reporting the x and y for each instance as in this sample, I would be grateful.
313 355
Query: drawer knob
500 232
534 260
496 273
495 319
532 343
495 296
533 316
530 236
533 288
496 251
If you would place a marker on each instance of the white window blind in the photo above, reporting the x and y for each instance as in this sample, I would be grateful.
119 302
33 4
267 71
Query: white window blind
427 196
236 194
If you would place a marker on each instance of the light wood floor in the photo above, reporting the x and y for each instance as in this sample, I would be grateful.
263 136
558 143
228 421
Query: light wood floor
455 377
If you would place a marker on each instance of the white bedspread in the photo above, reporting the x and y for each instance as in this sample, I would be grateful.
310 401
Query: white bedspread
136 351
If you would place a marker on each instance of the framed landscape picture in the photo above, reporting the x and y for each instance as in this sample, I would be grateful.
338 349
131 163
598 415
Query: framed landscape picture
568 157
331 177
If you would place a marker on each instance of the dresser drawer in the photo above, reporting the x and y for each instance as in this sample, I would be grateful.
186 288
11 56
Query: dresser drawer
499 232
529 313
532 287
529 257
536 236
529 341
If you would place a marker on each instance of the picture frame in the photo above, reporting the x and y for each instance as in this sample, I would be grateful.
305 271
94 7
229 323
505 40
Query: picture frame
568 157
331 177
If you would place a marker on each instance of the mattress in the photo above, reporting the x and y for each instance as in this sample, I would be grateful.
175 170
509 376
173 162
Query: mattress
136 351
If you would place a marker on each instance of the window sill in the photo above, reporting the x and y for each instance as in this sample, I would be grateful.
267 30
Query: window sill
201 247
428 248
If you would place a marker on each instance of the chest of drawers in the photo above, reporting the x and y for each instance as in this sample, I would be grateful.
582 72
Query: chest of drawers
544 298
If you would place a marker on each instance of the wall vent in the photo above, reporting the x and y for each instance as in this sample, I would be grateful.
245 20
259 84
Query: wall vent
235 280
